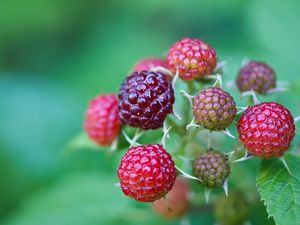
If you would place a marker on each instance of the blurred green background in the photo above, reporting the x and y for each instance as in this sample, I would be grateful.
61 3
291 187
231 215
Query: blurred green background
55 55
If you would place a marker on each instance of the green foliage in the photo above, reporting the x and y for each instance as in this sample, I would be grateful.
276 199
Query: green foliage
83 198
280 190
55 55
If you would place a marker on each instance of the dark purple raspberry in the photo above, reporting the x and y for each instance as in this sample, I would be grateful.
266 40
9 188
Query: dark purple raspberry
214 109
145 99
212 168
257 76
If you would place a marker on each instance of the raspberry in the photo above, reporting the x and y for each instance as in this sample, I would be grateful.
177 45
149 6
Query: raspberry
257 76
212 168
232 209
176 203
214 109
266 129
145 99
192 57
147 172
102 122
149 63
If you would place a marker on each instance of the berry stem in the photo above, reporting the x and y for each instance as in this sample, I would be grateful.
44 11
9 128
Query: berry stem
253 98
191 87
165 136
207 195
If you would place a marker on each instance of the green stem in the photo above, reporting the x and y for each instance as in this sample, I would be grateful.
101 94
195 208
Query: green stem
250 100
191 87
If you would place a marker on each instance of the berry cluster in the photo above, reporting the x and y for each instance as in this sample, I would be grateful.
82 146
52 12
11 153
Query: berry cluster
145 101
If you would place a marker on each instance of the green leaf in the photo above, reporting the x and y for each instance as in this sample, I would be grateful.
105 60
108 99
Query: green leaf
279 190
80 142
82 198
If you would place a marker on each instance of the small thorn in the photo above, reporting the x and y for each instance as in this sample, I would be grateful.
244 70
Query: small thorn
175 79
133 141
282 83
230 154
221 65
188 96
253 94
165 136
282 159
165 128
207 195
192 124
186 175
244 158
225 187
227 132
275 90
117 184
137 135
296 119
176 115
245 61
162 70
185 159
241 109
231 84
184 221
218 79
114 145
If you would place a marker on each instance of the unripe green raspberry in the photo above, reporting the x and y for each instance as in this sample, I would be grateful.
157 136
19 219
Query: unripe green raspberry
212 168
214 109
232 210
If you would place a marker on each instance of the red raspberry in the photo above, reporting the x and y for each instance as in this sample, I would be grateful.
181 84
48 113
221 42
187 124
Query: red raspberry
257 76
149 63
192 57
145 99
176 203
147 172
266 129
102 122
